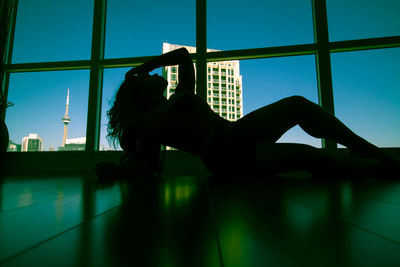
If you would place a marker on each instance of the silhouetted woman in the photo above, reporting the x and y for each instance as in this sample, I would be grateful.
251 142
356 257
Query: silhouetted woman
142 119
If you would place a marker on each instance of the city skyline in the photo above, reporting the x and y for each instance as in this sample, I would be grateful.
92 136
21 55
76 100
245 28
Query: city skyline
312 95
77 143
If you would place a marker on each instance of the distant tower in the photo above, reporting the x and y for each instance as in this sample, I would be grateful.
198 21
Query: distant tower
66 119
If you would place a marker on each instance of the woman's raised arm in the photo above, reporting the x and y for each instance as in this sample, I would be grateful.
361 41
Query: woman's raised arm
180 57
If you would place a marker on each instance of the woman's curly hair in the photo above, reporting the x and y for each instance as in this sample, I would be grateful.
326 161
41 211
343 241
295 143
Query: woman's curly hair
116 121
131 100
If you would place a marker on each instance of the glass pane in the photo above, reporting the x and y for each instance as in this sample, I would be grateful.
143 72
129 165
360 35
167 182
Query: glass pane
258 23
38 117
48 30
268 80
366 87
138 28
359 19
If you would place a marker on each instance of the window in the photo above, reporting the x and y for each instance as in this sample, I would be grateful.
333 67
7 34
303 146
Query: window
362 19
37 40
268 80
281 36
258 23
128 36
40 104
367 95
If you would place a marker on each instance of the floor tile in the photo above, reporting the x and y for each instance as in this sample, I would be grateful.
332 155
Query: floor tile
258 225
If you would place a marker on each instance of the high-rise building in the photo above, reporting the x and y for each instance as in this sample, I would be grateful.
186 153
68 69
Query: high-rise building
32 142
224 84
66 119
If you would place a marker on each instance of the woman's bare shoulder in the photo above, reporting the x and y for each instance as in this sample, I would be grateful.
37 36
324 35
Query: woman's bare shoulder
181 98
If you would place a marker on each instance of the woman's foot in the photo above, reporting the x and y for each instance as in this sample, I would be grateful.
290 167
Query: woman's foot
377 154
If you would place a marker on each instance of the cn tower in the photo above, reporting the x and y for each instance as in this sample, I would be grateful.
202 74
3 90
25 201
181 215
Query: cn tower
66 119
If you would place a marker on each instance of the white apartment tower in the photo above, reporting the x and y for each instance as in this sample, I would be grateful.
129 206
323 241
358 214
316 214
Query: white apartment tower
224 84
32 142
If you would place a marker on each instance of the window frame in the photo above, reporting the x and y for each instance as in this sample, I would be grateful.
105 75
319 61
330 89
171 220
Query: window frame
322 48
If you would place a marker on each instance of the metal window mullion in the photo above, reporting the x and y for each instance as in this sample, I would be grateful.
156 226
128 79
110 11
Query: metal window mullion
49 66
11 34
263 52
201 48
365 44
240 54
96 76
323 62
8 56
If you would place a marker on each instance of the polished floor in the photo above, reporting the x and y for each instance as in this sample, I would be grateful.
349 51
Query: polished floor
198 220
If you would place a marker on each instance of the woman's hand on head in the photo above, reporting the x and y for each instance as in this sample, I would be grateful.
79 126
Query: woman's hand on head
137 71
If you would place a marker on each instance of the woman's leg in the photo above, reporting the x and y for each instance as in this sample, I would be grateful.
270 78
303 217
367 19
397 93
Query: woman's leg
269 123
282 157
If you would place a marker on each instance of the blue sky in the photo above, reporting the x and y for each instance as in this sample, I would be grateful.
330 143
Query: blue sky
366 83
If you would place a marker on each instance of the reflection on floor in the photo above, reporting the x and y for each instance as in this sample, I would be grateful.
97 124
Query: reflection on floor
198 220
